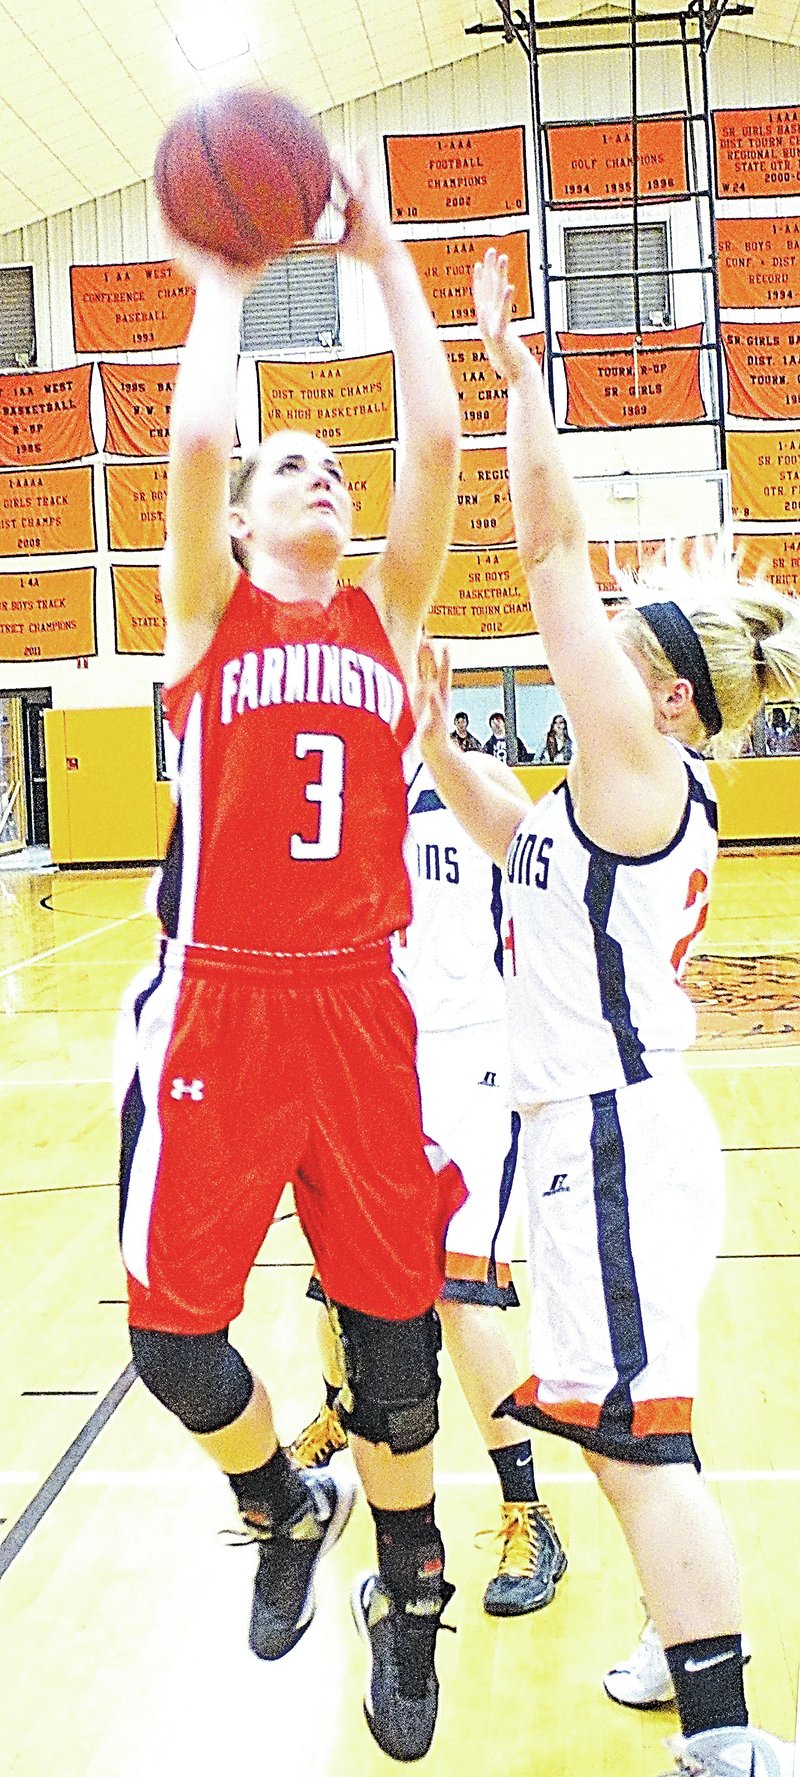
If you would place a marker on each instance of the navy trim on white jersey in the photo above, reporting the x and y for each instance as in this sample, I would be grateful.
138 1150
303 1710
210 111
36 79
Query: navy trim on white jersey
428 802
598 895
694 793
133 1107
497 916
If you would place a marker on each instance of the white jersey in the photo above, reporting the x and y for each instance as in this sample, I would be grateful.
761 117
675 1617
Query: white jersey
450 958
597 947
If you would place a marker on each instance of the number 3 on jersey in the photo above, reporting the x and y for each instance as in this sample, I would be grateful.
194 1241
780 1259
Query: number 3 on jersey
327 791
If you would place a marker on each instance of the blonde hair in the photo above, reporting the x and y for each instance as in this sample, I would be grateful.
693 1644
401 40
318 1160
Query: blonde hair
238 489
749 632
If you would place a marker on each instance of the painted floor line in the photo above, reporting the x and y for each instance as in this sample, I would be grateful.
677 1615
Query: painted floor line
42 956
155 1478
47 1085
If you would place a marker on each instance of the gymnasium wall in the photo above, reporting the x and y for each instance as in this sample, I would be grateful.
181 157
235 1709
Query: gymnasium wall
487 91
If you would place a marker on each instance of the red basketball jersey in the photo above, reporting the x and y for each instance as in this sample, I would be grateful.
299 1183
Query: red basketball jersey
291 799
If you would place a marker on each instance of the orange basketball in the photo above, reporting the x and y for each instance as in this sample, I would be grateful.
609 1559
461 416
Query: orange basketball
243 174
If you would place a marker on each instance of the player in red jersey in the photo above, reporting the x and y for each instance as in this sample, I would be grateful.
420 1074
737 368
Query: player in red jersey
273 1042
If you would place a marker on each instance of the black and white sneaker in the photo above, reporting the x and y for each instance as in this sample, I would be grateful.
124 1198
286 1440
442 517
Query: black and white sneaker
402 1691
288 1557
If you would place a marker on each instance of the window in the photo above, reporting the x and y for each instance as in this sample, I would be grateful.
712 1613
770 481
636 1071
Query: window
17 319
296 304
166 744
604 302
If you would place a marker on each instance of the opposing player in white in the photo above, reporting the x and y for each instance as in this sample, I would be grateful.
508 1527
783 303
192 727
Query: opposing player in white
608 882
450 963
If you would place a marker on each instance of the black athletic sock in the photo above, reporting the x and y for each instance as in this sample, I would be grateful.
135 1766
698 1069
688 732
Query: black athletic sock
411 1567
332 1389
271 1494
709 1685
514 1464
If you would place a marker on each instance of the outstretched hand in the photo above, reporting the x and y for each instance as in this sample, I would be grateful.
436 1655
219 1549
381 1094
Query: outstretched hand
430 700
494 299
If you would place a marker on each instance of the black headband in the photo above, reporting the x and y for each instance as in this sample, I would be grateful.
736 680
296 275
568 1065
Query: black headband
684 650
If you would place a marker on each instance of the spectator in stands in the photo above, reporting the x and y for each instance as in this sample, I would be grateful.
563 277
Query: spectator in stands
557 749
496 744
461 734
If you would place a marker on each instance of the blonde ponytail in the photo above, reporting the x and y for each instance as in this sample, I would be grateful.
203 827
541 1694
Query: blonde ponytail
750 635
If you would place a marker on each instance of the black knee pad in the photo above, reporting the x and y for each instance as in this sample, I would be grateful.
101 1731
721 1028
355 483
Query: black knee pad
392 1377
198 1376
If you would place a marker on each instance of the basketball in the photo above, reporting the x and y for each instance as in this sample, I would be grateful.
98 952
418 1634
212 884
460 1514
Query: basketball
243 175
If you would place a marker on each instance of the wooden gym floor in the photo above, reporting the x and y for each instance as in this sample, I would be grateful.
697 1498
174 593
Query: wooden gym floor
123 1614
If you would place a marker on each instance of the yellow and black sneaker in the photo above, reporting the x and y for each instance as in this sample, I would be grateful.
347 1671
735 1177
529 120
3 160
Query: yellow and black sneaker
532 1561
401 1697
288 1557
318 1442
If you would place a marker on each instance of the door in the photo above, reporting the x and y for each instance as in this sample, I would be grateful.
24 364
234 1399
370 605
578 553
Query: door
13 825
34 704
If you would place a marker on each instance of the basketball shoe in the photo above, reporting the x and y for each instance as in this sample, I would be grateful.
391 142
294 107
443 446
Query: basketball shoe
318 1442
288 1556
402 1691
532 1562
644 1680
733 1752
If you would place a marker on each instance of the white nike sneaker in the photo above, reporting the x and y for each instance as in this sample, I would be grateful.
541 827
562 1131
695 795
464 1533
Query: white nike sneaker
644 1681
733 1752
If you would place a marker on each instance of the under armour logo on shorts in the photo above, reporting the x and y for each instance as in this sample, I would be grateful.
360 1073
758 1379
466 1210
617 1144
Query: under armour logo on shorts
193 1089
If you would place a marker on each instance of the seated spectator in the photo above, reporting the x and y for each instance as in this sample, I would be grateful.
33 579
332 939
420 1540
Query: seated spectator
496 744
557 749
777 733
793 734
461 734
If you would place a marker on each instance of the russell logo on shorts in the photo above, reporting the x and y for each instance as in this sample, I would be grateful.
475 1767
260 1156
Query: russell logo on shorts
558 1185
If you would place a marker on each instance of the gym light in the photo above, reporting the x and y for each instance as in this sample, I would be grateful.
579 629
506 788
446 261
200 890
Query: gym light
209 37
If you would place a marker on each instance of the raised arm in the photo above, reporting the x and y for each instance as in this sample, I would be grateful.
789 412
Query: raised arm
484 795
607 702
420 527
198 572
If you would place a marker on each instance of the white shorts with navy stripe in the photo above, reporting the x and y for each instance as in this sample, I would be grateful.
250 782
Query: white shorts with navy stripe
625 1203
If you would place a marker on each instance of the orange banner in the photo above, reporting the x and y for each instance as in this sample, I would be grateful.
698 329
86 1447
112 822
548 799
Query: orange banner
370 477
345 400
138 400
481 394
463 177
765 474
130 308
48 616
629 555
758 152
138 611
49 511
354 569
773 556
136 500
763 359
648 387
758 260
44 416
483 506
444 267
592 163
482 593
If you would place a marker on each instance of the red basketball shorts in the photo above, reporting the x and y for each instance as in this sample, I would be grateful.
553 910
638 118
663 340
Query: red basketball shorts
241 1076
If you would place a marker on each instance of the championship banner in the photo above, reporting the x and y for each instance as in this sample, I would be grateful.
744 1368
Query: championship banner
482 396
757 153
130 308
773 556
765 474
444 267
483 502
629 555
136 501
370 477
763 359
482 593
592 163
138 611
644 386
463 177
47 512
138 400
44 416
48 616
344 400
354 569
758 259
